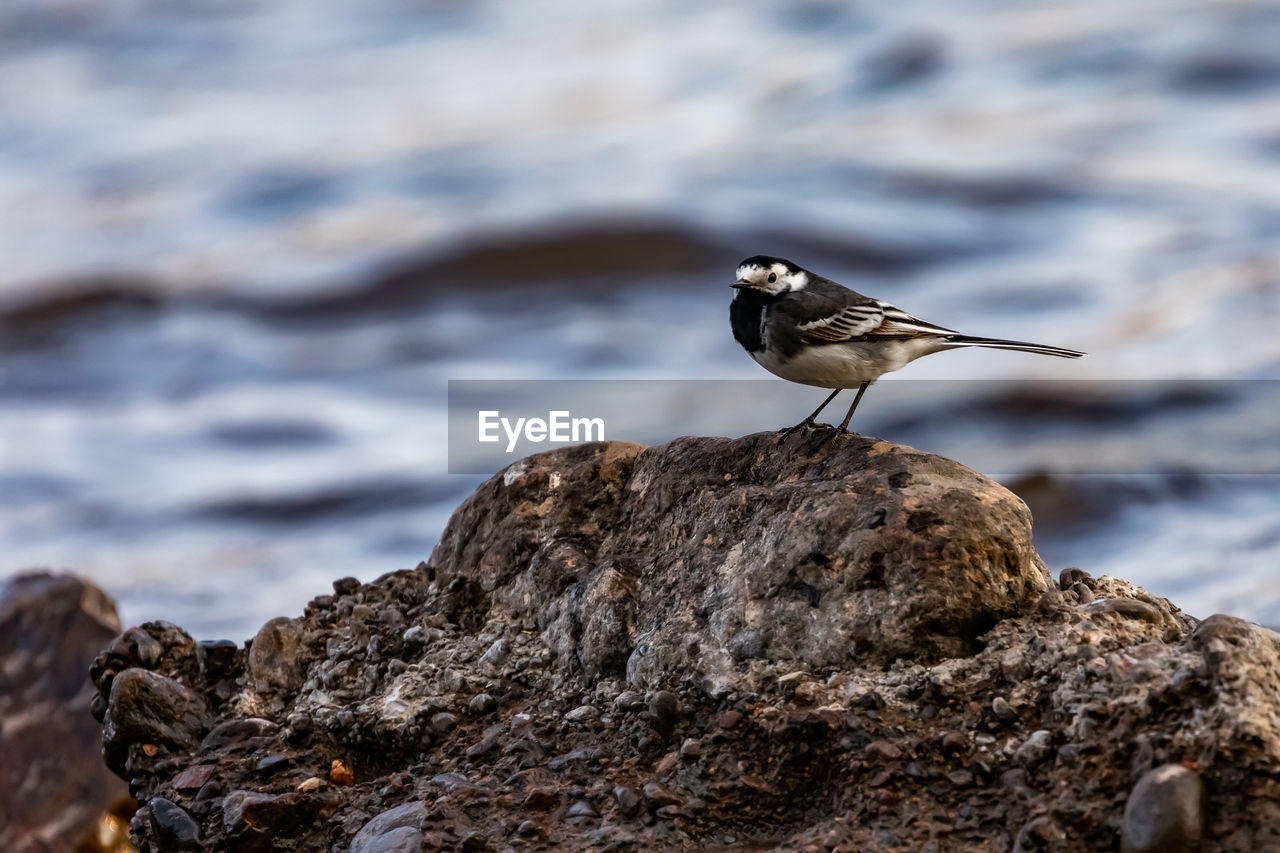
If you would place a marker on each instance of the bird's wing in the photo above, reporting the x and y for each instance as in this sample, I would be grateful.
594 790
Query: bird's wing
841 323
899 322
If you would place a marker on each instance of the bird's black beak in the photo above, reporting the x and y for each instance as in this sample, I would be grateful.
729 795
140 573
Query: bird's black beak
740 284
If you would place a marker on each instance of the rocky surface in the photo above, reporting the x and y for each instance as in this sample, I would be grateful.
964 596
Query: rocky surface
55 794
711 644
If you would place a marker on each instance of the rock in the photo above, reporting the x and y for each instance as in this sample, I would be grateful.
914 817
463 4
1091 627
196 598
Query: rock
746 625
628 799
581 714
284 815
148 708
346 586
1035 749
216 657
444 722
840 578
397 829
1165 812
54 788
273 656
174 829
664 712
481 704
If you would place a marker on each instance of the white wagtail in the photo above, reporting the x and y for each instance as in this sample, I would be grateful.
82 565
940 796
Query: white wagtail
808 329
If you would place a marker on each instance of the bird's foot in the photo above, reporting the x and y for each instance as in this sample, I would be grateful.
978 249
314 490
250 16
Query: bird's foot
790 431
835 430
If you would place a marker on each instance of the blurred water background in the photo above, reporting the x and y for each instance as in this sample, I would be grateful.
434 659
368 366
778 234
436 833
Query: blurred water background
244 245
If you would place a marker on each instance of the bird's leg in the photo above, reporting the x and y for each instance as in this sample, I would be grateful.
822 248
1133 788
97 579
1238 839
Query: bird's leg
844 424
786 433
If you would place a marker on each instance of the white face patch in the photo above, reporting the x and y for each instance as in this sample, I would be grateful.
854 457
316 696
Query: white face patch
784 280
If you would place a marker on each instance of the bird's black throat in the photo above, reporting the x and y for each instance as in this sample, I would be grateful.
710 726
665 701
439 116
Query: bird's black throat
746 315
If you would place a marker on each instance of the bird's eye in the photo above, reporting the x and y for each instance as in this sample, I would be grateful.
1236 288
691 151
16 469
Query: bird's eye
773 277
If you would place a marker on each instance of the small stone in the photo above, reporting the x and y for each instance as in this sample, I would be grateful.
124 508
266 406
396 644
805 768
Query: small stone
628 799
194 777
496 654
1003 710
660 795
582 809
414 639
521 724
582 714
174 829
691 749
340 774
443 722
881 750
953 742
1084 595
389 828
272 763
273 656
346 586
1130 608
527 828
481 704
1036 748
146 707
807 692
478 749
960 778
746 644
629 701
541 798
309 784
1165 812
1068 578
216 657
730 719
664 711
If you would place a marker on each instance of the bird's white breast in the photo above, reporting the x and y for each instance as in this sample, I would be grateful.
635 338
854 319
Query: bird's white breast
845 365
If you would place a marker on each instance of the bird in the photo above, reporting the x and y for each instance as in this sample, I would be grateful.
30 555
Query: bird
808 329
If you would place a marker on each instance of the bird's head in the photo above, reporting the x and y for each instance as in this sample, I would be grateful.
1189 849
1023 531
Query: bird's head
774 276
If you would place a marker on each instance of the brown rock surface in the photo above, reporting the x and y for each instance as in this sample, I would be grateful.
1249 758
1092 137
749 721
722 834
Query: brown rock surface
717 644
54 789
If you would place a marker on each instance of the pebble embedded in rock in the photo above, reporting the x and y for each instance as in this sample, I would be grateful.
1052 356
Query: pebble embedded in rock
146 707
444 722
273 656
409 816
481 704
542 797
664 712
1165 812
1035 749
216 657
881 750
1003 710
582 714
582 809
174 828
1068 578
628 799
346 586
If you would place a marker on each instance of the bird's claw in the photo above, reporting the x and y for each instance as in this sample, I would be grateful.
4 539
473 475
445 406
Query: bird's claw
790 431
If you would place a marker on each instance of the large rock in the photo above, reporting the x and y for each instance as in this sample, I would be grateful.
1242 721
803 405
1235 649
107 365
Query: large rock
718 643
55 794
666 559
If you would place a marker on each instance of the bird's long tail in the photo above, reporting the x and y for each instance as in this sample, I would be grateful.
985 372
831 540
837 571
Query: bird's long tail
1021 346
